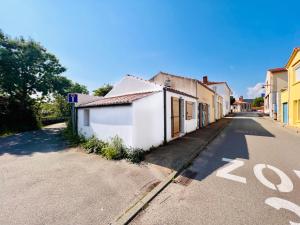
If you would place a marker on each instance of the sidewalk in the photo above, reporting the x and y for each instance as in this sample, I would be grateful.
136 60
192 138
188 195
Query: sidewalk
288 128
169 160
174 155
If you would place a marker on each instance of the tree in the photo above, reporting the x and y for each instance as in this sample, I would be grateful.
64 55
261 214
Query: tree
257 102
102 91
232 100
28 69
78 88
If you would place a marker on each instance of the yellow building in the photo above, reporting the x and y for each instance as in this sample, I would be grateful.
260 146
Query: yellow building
293 67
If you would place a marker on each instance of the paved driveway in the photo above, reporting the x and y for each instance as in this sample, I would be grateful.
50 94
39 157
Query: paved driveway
261 185
44 182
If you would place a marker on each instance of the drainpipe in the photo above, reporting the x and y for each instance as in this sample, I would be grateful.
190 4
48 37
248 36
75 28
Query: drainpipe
165 115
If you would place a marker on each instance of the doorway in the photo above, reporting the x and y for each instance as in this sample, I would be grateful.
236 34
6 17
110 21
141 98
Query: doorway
177 116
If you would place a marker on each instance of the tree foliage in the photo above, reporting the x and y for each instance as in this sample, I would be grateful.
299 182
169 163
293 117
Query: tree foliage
257 102
232 100
102 91
28 70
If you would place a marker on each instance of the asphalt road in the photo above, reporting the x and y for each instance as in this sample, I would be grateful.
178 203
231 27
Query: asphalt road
42 182
261 185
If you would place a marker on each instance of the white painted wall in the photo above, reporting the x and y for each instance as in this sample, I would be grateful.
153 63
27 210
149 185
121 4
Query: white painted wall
222 89
130 84
140 125
189 125
148 121
106 122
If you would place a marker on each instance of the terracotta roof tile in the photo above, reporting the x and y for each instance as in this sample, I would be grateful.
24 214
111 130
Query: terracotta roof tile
118 100
277 70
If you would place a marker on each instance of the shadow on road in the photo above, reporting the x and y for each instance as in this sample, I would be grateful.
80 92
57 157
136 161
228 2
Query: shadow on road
231 143
27 143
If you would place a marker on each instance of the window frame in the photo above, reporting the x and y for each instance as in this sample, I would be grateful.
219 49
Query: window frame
187 114
86 117
297 76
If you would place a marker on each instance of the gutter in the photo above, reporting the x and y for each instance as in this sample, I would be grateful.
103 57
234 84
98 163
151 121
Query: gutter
165 115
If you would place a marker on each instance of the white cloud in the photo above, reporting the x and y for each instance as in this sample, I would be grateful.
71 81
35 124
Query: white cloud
255 91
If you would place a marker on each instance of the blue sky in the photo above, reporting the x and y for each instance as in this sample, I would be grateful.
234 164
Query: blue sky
101 41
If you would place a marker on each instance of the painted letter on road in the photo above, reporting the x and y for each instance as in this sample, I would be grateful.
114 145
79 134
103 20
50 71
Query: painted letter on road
225 172
286 184
279 203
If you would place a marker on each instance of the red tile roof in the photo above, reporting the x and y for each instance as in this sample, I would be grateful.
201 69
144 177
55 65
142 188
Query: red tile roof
215 82
118 100
274 70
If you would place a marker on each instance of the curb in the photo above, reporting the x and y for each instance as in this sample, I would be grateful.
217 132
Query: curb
139 205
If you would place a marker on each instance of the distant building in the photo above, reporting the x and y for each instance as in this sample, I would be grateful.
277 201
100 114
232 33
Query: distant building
241 105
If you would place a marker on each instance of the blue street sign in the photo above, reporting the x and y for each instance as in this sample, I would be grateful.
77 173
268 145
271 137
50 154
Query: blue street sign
72 98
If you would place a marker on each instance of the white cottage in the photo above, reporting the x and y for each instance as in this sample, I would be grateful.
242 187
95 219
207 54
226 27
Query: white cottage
142 113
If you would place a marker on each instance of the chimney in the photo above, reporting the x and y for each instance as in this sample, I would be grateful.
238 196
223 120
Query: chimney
205 79
241 99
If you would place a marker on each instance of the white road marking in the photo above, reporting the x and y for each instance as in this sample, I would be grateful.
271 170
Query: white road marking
224 172
279 203
286 184
297 172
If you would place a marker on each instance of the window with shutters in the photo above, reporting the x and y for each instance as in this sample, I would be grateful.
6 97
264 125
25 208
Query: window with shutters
189 110
86 117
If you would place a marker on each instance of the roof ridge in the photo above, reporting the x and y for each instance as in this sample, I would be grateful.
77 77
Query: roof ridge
142 79
186 77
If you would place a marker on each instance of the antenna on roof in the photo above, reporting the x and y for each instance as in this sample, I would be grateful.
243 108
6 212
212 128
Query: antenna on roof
168 82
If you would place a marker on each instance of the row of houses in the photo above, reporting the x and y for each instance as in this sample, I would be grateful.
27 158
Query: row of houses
148 113
242 105
282 92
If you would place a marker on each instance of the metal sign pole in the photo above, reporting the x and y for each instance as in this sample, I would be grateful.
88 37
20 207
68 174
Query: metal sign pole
73 98
73 117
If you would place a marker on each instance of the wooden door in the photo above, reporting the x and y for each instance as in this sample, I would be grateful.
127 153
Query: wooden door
200 113
175 116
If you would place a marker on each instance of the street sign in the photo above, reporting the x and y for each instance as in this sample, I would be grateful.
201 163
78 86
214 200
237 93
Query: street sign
72 98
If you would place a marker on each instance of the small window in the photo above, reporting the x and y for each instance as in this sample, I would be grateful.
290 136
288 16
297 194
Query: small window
297 74
189 110
86 117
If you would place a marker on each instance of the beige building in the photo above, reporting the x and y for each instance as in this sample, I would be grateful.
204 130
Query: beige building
210 104
276 80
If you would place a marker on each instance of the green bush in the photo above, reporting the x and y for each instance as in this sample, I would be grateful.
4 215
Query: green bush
115 149
110 152
134 155
94 145
74 139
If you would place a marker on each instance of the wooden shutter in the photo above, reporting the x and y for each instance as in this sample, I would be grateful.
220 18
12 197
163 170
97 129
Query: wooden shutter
189 110
175 116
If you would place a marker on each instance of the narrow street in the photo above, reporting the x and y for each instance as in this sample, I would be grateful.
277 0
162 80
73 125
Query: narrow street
260 186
